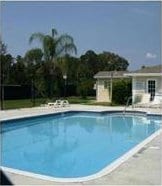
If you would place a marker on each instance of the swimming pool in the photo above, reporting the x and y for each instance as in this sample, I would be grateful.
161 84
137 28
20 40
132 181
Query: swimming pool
73 144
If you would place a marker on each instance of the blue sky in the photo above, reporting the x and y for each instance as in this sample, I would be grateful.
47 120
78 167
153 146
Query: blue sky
130 29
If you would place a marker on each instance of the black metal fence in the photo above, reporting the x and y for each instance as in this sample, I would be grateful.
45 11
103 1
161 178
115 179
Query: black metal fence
17 92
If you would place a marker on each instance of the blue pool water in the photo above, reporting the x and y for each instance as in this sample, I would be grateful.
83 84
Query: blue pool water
74 144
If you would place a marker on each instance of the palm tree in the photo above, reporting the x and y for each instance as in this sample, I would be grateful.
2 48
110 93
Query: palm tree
54 45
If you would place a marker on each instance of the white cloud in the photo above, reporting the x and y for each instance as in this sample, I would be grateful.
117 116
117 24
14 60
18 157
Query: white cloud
150 55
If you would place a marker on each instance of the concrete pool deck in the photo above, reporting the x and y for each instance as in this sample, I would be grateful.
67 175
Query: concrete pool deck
143 168
27 112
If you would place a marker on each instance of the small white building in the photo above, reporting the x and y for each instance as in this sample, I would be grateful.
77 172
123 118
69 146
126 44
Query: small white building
104 84
146 80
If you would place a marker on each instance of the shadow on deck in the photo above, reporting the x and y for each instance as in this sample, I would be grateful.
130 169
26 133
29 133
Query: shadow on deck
4 180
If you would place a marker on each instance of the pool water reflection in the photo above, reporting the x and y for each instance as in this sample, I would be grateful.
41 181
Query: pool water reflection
72 145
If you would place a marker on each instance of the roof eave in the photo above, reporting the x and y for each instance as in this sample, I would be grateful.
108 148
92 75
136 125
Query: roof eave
109 77
142 74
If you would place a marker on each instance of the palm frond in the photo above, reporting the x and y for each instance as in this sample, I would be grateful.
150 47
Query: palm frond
72 48
49 47
54 46
39 36
67 49
54 32
65 38
65 45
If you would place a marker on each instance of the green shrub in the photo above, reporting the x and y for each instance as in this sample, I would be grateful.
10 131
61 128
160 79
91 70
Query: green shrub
122 89
85 88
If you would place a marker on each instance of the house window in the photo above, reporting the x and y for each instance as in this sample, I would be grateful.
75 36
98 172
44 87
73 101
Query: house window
152 88
139 85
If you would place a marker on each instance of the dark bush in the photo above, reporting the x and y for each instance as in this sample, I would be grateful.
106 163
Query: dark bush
122 89
85 88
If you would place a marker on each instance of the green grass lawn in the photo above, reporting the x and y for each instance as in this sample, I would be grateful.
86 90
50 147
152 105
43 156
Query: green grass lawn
21 103
27 103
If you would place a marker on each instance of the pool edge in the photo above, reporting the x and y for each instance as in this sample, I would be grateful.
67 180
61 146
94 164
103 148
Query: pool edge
146 113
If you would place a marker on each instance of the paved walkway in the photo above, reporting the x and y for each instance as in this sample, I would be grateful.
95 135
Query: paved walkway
144 168
24 112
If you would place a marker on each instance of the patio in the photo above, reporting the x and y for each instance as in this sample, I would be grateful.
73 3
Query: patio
25 112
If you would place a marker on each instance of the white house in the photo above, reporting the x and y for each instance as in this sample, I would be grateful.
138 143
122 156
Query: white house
146 80
104 84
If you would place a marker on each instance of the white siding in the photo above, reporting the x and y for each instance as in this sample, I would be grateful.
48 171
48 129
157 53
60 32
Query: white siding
102 93
140 85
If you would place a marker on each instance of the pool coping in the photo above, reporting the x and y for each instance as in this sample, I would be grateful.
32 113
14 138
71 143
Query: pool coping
112 166
77 111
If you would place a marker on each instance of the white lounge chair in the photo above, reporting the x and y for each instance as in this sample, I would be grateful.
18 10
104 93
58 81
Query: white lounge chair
145 100
157 102
65 103
57 103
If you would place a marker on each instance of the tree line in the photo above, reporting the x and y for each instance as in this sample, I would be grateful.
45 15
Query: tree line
47 67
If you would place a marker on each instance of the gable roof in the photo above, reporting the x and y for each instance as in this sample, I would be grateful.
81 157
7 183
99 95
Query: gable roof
150 69
110 74
147 71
